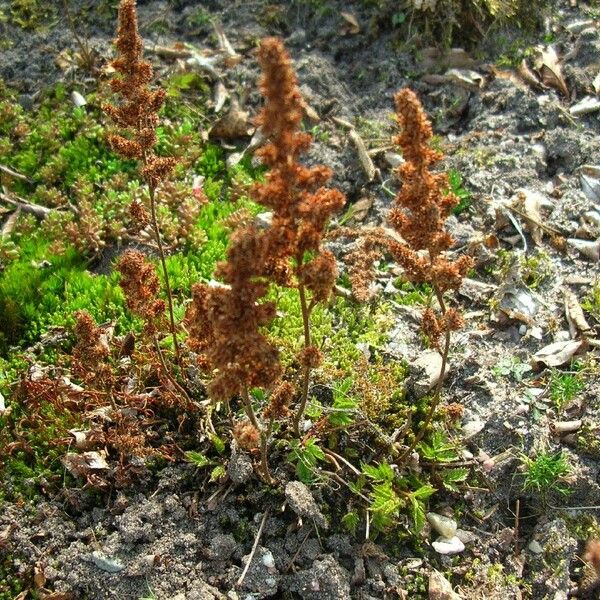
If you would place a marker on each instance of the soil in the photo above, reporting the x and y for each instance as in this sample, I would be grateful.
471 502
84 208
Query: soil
172 537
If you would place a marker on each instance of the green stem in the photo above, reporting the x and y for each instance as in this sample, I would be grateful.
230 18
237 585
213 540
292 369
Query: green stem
306 372
264 435
437 394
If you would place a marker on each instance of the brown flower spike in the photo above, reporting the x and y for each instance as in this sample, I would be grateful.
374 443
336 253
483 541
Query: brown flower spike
137 115
138 112
421 208
419 213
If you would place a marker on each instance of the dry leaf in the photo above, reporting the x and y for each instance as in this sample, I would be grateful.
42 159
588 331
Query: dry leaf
589 177
547 64
310 112
82 464
351 26
363 156
39 578
530 203
588 105
587 248
558 353
471 80
528 76
232 125
80 436
596 83
574 314
221 95
358 211
232 58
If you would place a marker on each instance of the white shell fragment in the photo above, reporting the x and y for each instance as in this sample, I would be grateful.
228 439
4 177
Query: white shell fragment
106 564
77 99
588 105
587 248
448 546
445 526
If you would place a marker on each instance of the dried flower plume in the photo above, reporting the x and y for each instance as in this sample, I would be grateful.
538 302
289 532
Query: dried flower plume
138 112
419 213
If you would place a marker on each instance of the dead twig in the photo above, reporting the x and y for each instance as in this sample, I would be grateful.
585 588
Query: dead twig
12 173
253 551
37 210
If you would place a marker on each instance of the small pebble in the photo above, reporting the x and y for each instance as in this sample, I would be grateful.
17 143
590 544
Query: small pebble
443 525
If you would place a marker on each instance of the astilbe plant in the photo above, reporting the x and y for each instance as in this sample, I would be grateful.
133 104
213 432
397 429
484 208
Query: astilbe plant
300 204
418 216
226 321
137 116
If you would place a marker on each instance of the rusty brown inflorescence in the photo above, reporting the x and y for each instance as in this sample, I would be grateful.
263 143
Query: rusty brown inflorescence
225 321
137 114
419 213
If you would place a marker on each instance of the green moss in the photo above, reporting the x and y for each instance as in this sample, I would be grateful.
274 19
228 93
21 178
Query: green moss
588 441
31 14
583 526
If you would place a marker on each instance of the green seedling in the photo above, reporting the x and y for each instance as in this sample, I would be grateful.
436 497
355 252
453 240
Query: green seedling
545 473
591 302
306 456
564 387
512 367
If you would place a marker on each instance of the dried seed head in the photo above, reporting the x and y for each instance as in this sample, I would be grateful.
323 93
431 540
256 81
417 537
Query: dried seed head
246 435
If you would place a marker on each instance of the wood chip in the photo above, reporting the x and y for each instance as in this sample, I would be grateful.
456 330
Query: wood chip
363 156
574 314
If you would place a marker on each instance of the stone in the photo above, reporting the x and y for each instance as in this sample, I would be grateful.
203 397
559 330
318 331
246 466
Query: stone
303 504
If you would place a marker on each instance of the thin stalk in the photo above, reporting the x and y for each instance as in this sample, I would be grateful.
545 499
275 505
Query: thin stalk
161 254
168 374
306 372
248 409
437 394
264 435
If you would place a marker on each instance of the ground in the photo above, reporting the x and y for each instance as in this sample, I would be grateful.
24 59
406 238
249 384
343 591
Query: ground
514 457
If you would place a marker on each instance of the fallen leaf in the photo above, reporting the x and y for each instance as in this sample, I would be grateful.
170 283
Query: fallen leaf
363 156
530 203
39 578
596 83
358 211
557 353
472 80
81 464
80 436
587 105
587 248
589 177
221 95
232 125
574 314
528 76
547 64
232 58
351 26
